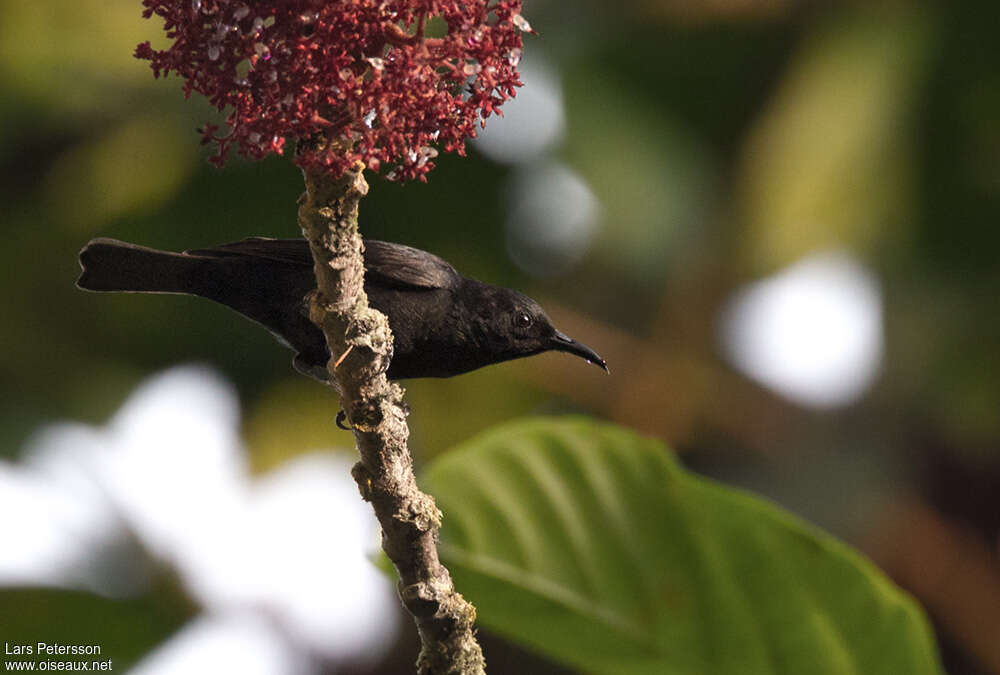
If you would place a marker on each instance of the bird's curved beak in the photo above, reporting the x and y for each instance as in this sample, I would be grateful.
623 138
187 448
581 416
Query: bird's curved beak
564 343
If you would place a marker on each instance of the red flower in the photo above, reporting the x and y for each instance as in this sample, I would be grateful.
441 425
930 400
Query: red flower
366 73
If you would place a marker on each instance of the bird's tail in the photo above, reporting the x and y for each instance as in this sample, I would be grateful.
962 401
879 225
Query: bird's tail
112 265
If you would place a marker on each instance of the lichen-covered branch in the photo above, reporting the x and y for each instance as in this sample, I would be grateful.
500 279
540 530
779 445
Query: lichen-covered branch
360 343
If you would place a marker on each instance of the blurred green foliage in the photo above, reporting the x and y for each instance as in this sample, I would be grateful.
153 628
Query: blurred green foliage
750 140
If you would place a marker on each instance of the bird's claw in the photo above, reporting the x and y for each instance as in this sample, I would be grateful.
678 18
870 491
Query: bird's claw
341 417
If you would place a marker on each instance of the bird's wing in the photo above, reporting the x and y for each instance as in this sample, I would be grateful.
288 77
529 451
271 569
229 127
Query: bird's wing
386 264
294 251
396 265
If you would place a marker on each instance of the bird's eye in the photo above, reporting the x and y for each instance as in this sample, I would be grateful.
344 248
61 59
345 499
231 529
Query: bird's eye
522 320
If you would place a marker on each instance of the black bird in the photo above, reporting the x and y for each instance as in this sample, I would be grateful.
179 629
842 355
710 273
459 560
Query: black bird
443 324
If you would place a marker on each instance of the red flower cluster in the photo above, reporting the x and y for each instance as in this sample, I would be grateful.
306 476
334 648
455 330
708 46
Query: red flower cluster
387 80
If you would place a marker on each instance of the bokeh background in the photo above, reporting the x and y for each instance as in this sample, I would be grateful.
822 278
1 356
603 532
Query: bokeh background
776 220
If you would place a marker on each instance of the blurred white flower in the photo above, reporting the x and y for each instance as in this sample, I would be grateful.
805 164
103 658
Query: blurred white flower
552 220
167 478
232 643
532 123
553 213
813 332
58 525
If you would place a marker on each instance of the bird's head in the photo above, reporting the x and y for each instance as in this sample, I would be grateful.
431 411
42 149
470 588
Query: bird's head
520 327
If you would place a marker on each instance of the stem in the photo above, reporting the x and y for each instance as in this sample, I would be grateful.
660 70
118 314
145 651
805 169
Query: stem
360 344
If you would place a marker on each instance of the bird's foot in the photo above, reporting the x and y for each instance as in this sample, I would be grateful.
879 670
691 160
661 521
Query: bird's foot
341 418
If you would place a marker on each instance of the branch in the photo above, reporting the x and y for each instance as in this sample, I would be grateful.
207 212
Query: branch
360 345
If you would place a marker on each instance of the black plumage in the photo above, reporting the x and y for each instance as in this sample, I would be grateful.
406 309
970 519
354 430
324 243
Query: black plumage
443 324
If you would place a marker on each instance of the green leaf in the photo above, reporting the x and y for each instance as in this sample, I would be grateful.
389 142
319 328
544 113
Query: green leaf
593 546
